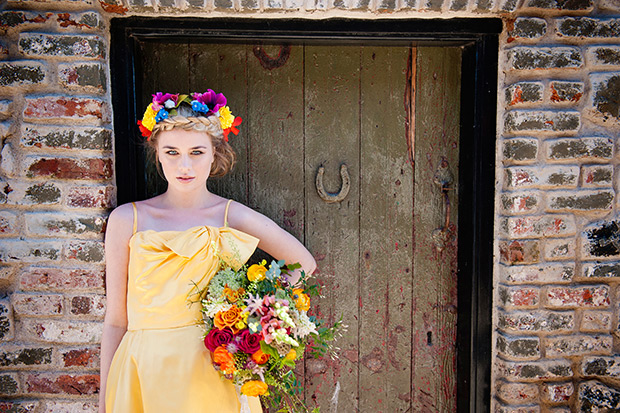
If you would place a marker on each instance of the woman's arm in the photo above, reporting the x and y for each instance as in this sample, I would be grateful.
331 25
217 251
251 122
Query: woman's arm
118 232
273 240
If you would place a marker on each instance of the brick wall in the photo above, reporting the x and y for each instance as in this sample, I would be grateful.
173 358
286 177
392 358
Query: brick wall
557 273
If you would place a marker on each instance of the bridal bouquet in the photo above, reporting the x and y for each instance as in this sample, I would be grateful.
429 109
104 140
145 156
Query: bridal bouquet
257 327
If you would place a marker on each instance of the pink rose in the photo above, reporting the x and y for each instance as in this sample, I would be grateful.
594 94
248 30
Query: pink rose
217 337
247 342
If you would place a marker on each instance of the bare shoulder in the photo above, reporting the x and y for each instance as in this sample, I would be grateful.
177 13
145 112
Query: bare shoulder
241 216
120 222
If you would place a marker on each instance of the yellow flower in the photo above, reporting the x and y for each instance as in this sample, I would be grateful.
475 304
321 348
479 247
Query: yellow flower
240 325
256 272
226 117
254 388
148 121
292 355
302 301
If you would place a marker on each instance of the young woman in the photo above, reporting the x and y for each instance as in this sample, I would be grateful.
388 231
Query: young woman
158 251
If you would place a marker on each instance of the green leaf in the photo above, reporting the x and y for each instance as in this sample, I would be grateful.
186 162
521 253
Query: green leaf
267 349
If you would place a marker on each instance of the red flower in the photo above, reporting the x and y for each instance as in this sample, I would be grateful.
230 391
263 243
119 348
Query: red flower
217 337
145 132
232 128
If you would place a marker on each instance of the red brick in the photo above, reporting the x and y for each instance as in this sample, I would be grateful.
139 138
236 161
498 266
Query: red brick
78 384
82 21
596 321
517 393
519 348
557 392
533 371
565 92
6 321
8 223
37 304
519 297
560 249
61 137
62 45
86 357
601 200
12 251
578 345
519 203
547 177
596 175
83 76
84 251
571 149
519 252
520 121
537 274
59 331
539 226
64 406
536 321
67 168
88 305
571 297
90 197
64 108
524 92
60 279
18 406
15 19
55 224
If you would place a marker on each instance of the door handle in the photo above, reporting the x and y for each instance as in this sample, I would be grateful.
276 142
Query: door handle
443 178
344 188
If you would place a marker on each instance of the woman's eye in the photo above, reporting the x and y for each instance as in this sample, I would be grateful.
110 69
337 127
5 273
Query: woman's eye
172 152
197 152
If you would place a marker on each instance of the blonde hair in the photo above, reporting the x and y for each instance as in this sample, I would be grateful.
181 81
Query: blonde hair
224 155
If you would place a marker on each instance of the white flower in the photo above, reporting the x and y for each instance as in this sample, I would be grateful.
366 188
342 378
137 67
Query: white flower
304 325
211 309
169 104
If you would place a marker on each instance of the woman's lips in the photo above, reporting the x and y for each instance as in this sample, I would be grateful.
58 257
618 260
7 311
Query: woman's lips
185 179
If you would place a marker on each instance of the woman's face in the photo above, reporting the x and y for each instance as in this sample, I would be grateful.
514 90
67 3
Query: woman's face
185 157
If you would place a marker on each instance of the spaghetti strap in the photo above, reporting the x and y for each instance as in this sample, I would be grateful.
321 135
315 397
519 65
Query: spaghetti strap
226 213
135 218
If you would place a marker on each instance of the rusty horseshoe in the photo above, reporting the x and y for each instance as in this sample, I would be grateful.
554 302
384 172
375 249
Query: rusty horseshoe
344 189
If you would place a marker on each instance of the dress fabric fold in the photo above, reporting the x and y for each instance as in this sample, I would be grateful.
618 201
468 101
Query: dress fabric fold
161 364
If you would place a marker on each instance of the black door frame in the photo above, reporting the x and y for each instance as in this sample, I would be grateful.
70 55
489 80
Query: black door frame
479 39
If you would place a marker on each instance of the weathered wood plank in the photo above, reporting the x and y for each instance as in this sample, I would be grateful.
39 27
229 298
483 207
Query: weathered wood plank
386 228
434 314
223 68
332 138
276 133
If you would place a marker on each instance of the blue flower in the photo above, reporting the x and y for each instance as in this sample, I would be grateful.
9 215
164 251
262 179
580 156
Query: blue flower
199 107
161 115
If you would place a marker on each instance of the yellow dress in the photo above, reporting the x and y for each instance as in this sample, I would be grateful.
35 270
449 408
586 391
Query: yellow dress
161 364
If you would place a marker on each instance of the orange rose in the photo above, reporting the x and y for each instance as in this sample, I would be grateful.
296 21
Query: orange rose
254 388
221 355
259 357
228 318
302 301
233 295
256 272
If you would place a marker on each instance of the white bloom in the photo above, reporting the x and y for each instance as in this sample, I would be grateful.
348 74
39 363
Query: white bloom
169 104
211 309
303 323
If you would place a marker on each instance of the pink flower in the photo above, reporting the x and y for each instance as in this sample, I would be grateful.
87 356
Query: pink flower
217 337
248 342
213 100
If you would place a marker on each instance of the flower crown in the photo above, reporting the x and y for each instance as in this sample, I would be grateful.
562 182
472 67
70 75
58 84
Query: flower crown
165 105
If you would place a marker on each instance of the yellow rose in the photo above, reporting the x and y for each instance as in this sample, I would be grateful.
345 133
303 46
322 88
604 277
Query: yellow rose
256 272
254 388
148 120
292 355
226 117
240 325
302 301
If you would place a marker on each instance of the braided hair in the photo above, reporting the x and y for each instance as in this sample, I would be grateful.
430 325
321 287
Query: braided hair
187 119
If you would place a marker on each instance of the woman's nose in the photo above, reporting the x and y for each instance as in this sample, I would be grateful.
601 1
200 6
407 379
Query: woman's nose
185 164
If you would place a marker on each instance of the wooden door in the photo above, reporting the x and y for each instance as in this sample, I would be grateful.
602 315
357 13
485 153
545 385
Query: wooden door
311 106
